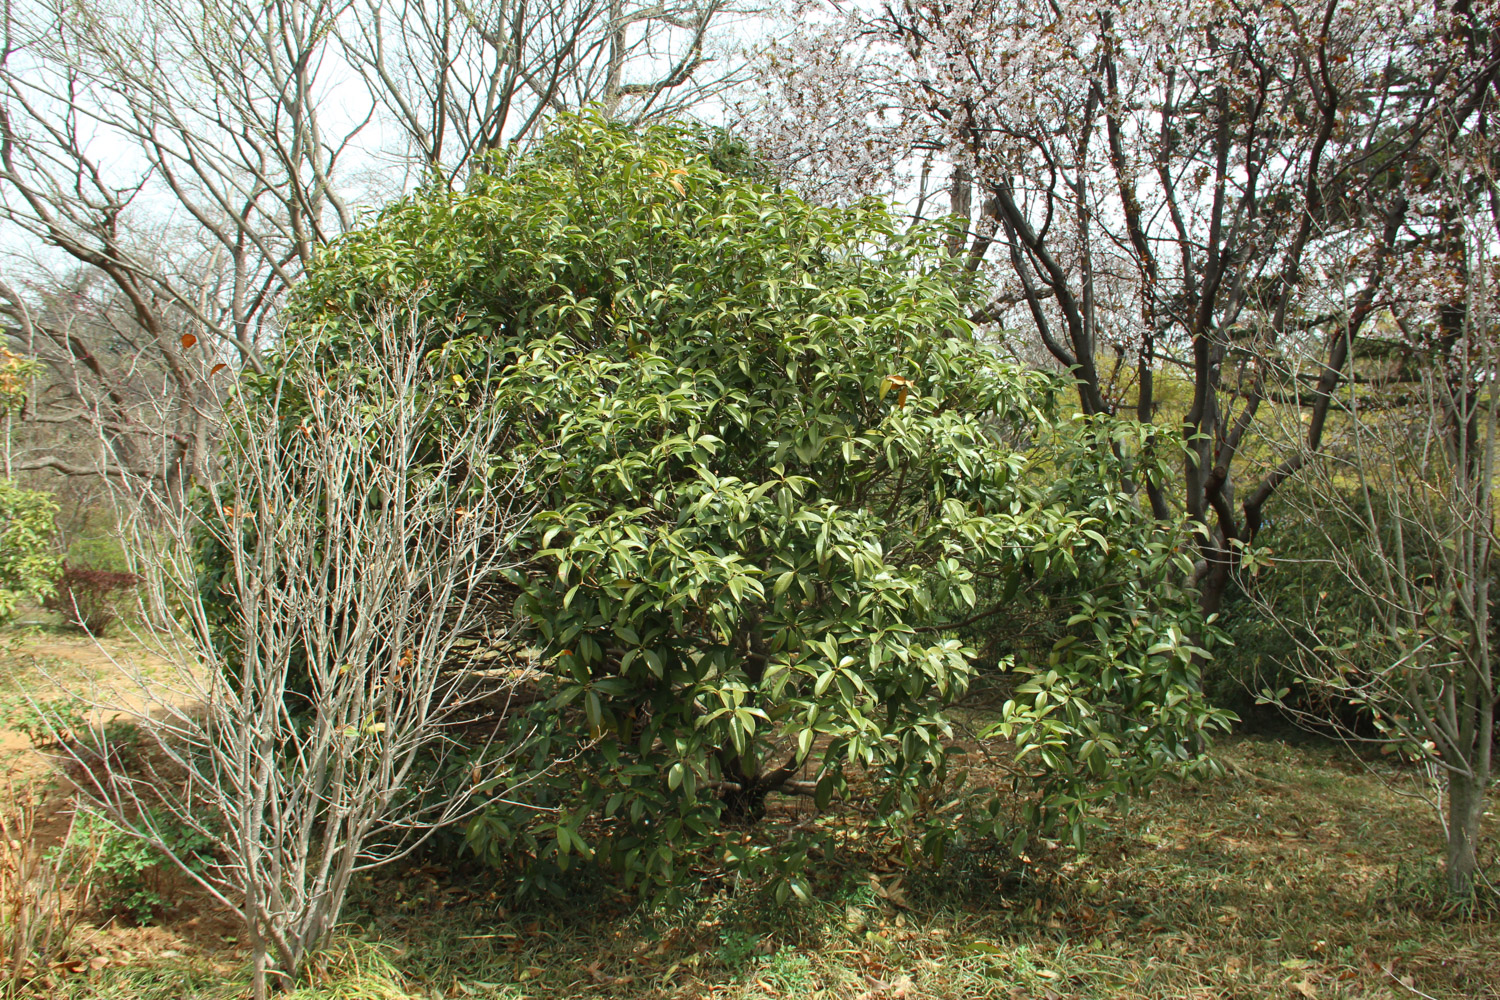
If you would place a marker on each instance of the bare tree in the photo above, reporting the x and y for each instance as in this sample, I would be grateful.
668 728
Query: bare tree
185 155
1398 617
460 80
101 400
191 158
308 721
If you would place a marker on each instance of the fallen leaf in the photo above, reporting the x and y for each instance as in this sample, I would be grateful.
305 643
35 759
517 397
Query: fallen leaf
891 891
981 948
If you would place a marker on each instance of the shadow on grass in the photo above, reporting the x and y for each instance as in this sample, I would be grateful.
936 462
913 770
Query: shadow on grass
1303 874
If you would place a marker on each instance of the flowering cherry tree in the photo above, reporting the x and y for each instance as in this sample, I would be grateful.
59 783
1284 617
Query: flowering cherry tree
1199 208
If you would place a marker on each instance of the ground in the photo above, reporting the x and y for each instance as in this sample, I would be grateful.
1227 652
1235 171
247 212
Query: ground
1306 872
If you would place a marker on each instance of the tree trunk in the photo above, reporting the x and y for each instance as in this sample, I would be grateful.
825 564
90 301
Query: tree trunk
1214 583
258 975
1466 795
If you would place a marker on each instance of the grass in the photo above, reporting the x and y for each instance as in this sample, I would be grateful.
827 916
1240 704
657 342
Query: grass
43 653
1303 874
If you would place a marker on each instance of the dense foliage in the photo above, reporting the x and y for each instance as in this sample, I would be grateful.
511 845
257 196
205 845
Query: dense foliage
784 494
28 555
28 518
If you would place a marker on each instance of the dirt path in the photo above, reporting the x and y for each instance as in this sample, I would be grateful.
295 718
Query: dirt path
49 665
82 654
46 665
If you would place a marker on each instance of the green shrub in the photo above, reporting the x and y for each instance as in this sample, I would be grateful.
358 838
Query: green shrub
43 722
28 559
128 873
99 549
1297 586
782 489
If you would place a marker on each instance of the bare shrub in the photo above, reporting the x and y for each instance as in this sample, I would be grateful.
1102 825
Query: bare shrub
44 892
343 556
86 597
1393 611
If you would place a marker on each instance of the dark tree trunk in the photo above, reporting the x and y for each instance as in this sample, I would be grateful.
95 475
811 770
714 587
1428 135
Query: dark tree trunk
1466 798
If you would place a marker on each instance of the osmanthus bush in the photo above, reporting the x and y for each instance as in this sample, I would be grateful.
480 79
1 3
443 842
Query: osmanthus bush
29 562
782 489
28 559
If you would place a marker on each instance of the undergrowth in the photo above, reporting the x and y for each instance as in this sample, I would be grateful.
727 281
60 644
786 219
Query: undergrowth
1302 874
